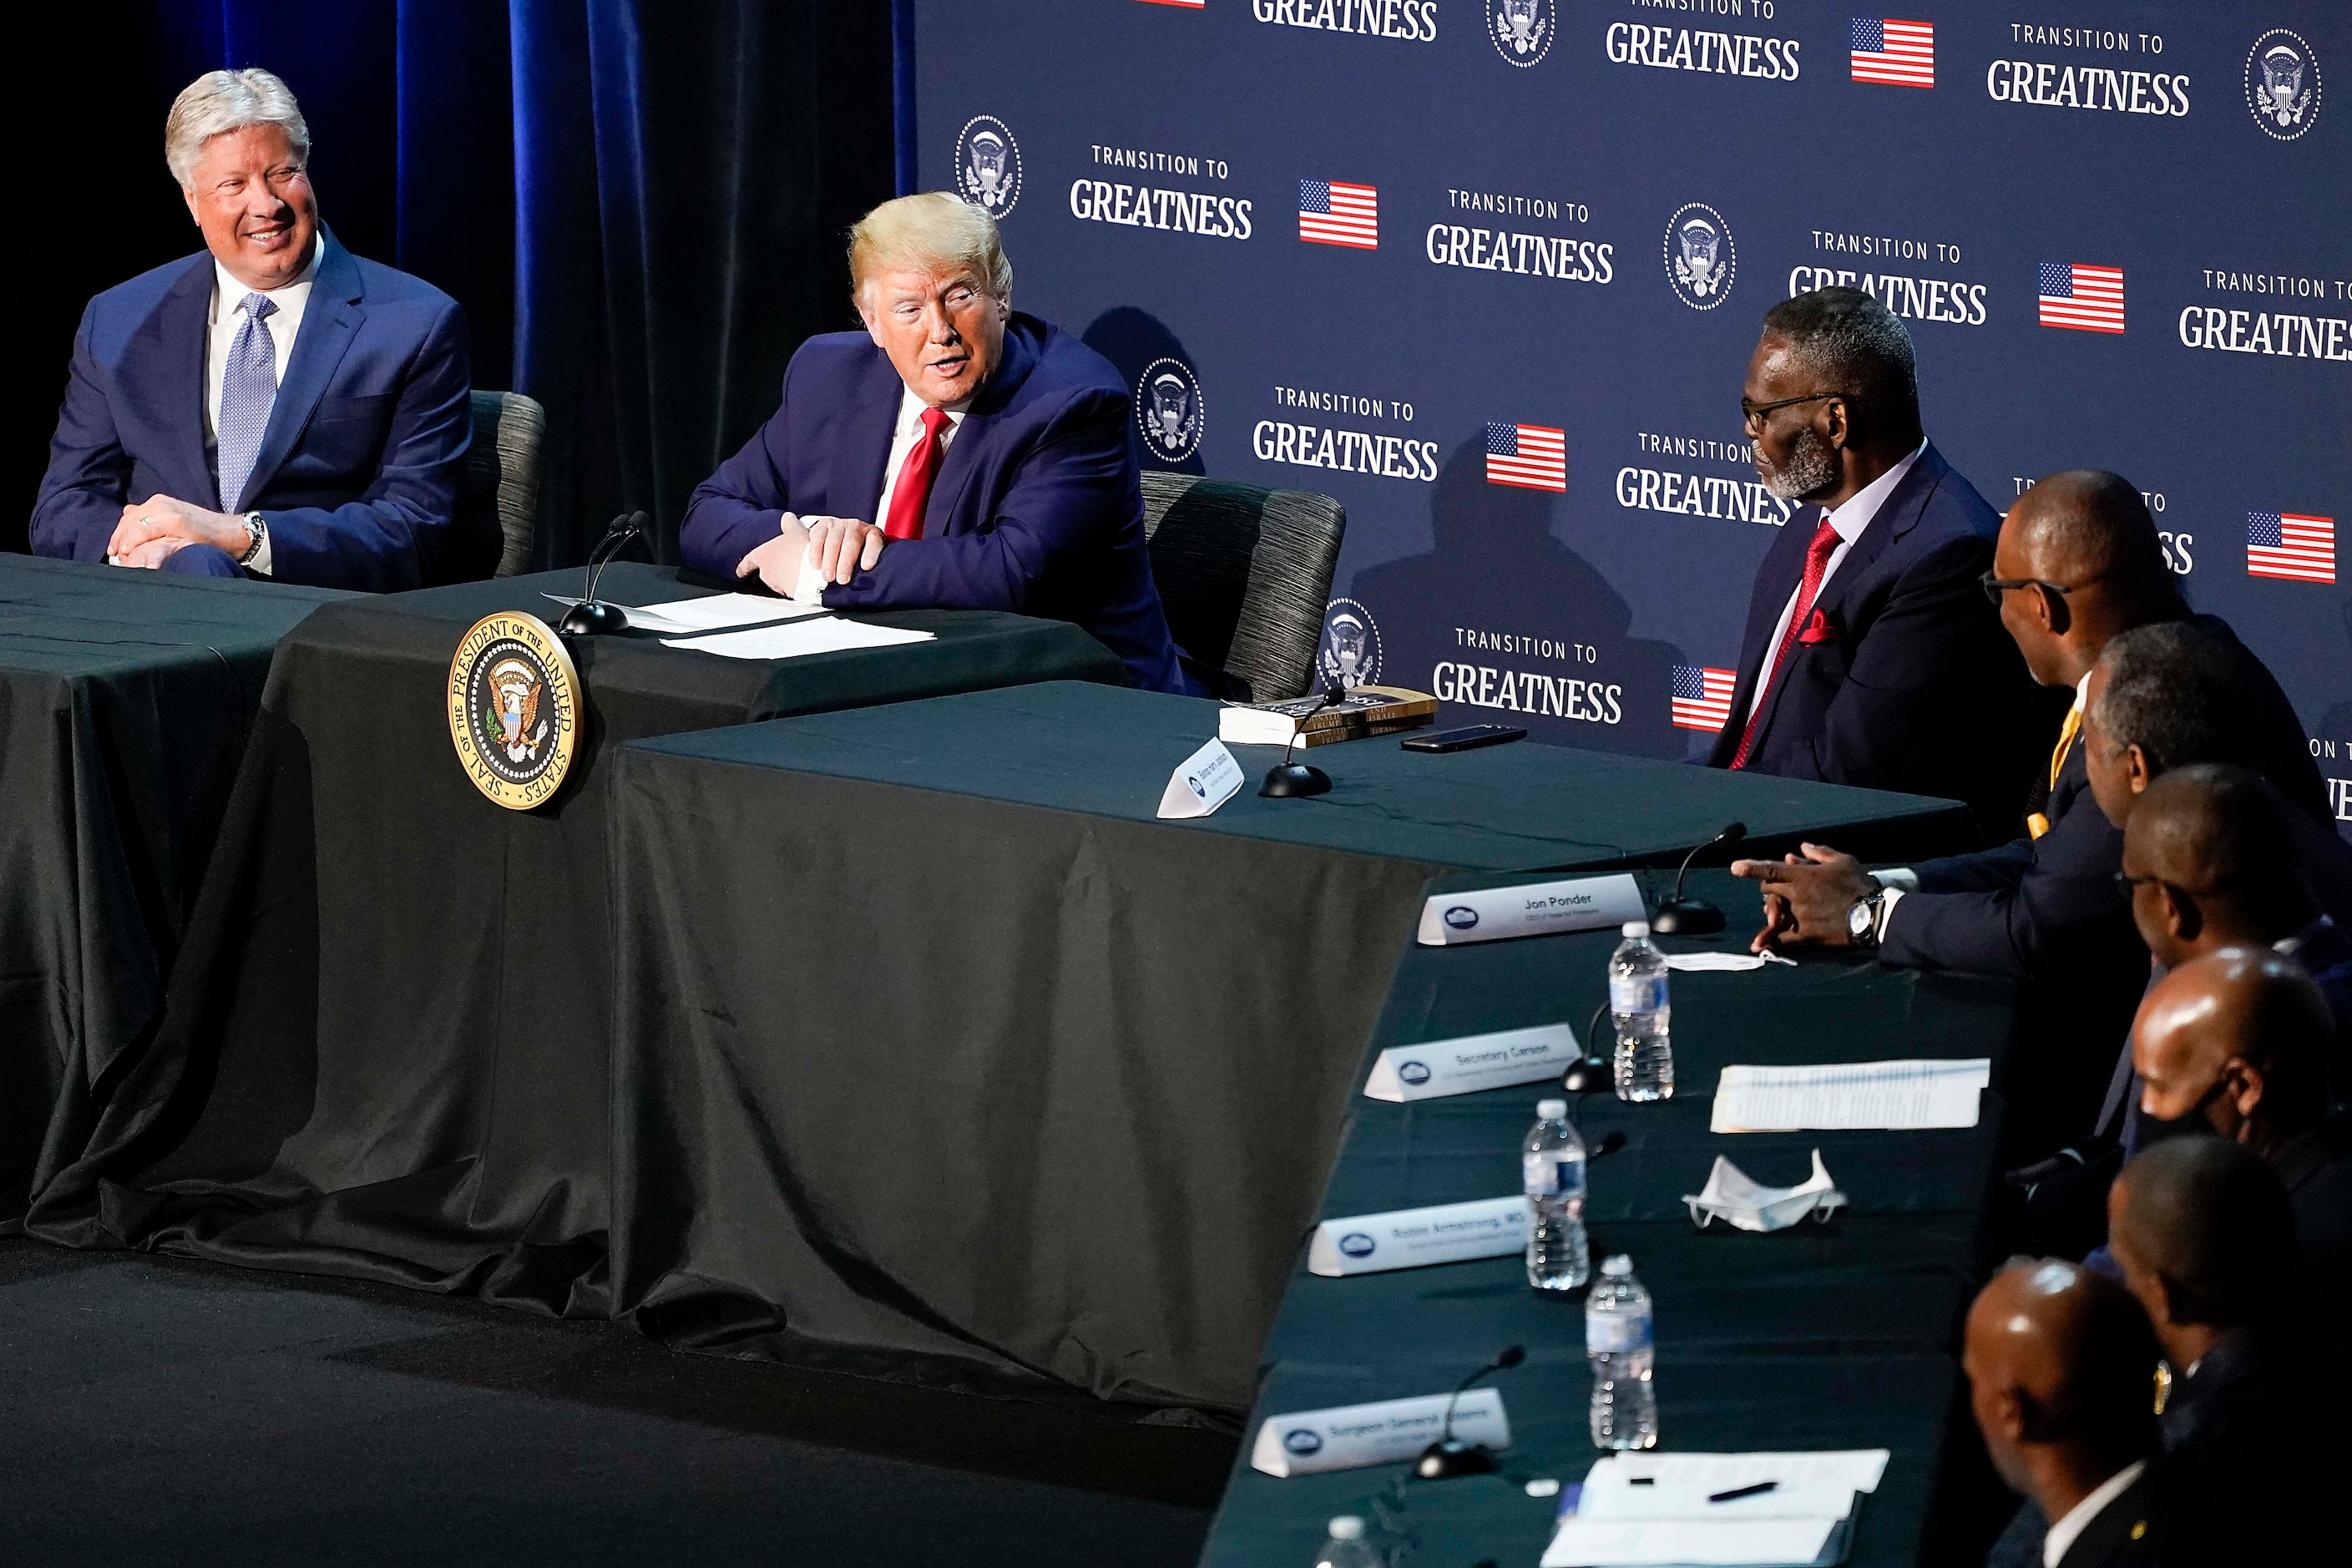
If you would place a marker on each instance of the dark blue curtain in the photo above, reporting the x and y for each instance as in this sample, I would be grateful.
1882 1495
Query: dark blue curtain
640 203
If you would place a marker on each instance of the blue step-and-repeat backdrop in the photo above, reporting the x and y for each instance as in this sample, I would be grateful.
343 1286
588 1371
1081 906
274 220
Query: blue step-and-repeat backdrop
1489 271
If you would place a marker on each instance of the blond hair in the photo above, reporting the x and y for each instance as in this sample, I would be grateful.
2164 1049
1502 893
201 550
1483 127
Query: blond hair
218 102
933 230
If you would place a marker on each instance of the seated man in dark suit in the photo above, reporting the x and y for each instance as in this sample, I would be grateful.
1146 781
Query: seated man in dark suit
2078 564
2060 1367
275 406
1870 655
953 453
2237 1042
2204 1236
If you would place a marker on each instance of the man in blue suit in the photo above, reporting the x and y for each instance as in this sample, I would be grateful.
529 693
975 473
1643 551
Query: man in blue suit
1871 657
954 453
274 406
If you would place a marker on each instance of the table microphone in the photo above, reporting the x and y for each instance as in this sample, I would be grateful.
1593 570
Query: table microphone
1288 780
1679 916
592 614
1450 1456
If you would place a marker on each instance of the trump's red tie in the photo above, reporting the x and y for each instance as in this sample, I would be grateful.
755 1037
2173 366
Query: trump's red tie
1817 561
914 486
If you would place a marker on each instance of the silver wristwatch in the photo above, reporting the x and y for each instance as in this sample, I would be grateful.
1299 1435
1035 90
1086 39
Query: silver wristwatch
1861 920
253 534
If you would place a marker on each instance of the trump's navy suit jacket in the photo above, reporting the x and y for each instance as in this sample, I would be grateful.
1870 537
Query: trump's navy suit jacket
1910 683
1036 508
357 477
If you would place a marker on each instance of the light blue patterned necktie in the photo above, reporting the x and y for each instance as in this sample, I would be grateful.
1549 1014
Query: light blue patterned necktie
248 389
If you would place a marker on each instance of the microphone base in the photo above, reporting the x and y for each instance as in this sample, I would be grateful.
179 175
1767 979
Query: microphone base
1687 917
1451 1458
593 618
1288 781
1589 1075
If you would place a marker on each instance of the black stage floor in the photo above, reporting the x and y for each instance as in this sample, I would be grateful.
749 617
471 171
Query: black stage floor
157 1411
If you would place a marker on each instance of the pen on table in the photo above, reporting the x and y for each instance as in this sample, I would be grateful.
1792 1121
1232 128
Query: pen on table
1759 1490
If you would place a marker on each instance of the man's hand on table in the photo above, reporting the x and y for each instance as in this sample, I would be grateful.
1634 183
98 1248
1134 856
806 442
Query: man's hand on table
152 530
1807 897
809 554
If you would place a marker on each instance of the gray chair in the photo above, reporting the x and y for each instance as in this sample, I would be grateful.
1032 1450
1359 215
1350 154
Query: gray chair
498 500
1245 576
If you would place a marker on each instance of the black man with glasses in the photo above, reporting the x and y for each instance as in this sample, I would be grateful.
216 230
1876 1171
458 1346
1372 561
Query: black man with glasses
1869 656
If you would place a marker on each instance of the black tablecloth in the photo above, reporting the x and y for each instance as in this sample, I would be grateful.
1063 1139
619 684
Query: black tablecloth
1827 1336
385 1051
125 701
940 1055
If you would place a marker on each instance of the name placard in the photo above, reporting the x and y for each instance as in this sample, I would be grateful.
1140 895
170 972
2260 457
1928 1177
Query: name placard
1531 909
1202 783
1471 1063
1354 1436
1409 1238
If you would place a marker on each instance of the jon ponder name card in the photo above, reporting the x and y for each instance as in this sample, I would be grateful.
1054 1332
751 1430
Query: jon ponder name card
1531 909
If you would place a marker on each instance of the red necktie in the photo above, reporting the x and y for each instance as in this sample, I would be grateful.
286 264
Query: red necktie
1817 561
914 486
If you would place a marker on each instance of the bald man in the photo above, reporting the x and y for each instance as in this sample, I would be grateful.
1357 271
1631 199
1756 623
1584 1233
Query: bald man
2061 1373
2077 564
2204 1236
2236 1043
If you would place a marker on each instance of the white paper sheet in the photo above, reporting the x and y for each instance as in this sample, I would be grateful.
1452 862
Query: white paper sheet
711 613
792 639
1581 1542
1897 1096
1845 1470
1704 962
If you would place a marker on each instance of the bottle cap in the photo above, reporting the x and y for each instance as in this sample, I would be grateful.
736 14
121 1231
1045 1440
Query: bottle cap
1348 1527
1636 928
1551 1108
1618 1265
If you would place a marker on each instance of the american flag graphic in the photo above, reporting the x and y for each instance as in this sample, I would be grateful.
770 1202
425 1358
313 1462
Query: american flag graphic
1333 212
1532 456
1900 54
2087 298
2285 545
1702 697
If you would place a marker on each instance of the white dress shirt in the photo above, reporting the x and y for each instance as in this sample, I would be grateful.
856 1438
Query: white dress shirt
2062 1535
1849 520
903 437
226 320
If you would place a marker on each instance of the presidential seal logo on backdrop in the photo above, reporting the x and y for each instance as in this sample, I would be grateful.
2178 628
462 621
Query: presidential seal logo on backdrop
2283 84
514 709
988 165
1521 31
1701 261
1168 410
1350 653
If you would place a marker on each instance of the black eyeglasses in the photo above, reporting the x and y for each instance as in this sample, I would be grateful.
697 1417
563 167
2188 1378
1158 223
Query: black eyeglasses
1994 587
2125 882
1751 415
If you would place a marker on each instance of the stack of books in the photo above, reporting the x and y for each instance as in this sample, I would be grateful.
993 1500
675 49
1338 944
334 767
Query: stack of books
1310 721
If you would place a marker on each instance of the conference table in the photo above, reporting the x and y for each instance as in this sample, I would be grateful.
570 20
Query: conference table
938 1053
1830 1335
384 1049
125 698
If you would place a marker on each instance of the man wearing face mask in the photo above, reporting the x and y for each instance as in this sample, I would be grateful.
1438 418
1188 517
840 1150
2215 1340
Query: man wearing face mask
1871 655
274 407
2236 1043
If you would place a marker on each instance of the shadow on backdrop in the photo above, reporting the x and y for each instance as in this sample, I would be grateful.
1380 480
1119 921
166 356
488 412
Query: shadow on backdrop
1500 593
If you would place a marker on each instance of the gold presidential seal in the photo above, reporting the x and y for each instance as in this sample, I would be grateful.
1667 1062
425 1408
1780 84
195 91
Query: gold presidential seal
514 709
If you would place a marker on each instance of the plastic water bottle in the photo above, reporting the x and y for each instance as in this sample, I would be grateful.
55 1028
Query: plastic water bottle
1618 1343
1551 1170
1638 1002
1347 1548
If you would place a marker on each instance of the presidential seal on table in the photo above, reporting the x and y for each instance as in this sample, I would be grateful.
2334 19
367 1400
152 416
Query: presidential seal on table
514 709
